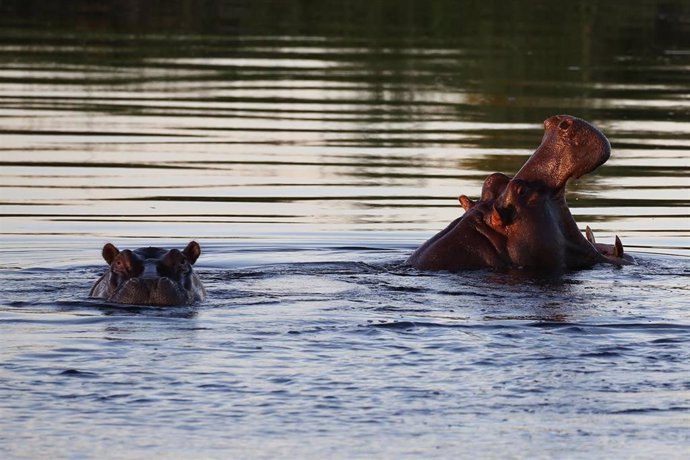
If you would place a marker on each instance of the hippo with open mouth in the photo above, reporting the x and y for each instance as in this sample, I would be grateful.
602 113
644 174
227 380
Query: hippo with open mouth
524 221
150 276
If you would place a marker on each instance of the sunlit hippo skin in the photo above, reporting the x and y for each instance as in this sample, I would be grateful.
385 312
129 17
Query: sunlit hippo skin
524 221
150 276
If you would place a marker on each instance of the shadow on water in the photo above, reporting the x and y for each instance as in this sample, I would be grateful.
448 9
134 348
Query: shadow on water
182 312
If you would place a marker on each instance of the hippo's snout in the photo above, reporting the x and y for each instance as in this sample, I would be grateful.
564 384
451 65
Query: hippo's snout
150 291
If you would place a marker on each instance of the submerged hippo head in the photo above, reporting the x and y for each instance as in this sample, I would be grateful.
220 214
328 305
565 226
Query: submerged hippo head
150 276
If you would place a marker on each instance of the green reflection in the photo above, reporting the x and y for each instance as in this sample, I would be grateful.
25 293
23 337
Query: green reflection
505 55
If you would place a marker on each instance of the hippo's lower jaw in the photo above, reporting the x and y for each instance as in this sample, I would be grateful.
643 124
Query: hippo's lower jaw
612 253
153 291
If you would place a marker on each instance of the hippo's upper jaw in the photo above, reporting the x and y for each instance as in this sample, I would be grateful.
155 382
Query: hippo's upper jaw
571 147
150 276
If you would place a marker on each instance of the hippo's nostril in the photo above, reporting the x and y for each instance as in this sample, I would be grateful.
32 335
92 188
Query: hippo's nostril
565 124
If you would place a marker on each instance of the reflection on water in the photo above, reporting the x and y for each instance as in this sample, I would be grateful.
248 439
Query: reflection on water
236 134
310 147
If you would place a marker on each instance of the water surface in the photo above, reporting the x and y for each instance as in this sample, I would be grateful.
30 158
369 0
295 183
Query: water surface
310 150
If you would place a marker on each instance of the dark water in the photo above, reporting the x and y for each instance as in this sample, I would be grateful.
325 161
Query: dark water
310 147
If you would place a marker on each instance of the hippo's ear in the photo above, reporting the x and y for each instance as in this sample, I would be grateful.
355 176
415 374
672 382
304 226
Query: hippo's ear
192 252
465 202
110 252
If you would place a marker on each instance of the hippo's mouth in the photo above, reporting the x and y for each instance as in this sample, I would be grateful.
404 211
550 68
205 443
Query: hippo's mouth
150 291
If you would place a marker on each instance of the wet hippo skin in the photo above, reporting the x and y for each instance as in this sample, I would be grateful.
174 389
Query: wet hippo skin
150 276
524 221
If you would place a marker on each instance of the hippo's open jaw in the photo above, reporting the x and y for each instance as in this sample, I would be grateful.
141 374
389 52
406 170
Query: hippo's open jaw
524 221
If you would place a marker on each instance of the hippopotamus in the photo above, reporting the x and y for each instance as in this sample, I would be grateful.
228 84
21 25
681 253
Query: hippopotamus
523 221
150 276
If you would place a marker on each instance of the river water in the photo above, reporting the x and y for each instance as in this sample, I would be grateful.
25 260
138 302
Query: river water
309 149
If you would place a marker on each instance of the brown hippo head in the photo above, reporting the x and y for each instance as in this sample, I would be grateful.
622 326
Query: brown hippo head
525 221
150 276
